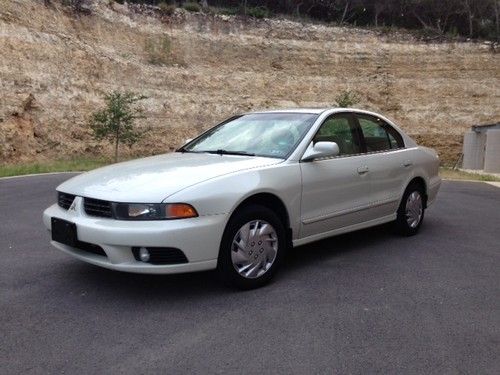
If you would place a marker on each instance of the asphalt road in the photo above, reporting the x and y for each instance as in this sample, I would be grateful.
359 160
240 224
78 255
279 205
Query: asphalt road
367 302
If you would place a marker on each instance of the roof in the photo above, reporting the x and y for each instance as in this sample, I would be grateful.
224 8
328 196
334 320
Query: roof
484 127
295 110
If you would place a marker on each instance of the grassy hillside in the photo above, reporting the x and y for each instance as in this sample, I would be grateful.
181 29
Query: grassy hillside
199 69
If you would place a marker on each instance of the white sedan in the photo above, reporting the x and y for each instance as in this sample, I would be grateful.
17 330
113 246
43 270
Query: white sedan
236 197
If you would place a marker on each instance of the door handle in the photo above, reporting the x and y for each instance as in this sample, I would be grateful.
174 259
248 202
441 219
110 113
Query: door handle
407 163
364 169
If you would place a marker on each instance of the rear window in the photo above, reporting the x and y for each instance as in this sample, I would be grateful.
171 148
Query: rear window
378 135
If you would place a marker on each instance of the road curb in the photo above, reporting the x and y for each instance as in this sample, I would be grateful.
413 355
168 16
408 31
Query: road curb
494 183
38 174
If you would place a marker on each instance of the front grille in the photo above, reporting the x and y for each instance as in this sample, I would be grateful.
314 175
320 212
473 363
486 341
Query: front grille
90 248
162 255
64 200
97 207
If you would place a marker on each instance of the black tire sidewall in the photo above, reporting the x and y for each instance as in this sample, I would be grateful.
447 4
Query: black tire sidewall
401 222
225 267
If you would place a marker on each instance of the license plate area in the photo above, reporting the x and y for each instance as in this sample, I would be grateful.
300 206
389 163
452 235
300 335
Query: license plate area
64 232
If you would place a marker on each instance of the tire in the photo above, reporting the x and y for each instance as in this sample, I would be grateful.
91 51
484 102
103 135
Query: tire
251 262
411 210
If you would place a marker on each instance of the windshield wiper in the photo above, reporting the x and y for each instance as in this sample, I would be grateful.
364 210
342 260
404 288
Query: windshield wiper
227 152
183 150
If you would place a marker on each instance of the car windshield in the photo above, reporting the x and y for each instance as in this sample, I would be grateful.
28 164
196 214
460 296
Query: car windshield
260 134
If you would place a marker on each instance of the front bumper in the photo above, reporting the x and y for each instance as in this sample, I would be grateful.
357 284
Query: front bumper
199 238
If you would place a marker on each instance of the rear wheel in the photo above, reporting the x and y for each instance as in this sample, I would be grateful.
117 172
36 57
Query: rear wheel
411 210
252 248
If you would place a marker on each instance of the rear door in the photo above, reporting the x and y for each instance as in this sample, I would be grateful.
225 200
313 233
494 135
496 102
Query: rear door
389 164
335 190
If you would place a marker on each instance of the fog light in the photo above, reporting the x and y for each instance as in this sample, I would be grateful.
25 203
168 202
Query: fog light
144 254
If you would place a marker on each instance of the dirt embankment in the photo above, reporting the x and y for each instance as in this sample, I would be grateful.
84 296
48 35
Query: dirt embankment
199 69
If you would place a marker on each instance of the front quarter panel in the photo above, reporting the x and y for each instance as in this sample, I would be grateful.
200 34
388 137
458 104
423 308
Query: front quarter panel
222 195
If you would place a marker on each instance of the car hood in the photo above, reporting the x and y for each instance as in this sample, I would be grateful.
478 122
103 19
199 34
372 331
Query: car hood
152 179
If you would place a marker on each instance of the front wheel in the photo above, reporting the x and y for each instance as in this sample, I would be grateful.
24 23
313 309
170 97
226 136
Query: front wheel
411 210
252 248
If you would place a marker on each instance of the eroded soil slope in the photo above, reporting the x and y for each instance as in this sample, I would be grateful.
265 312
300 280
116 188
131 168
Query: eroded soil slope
199 69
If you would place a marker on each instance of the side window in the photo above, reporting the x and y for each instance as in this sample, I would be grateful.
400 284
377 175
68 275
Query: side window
340 130
378 135
394 137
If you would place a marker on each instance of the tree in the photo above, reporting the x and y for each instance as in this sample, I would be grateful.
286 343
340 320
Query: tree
346 9
470 16
477 11
496 7
378 8
115 122
474 18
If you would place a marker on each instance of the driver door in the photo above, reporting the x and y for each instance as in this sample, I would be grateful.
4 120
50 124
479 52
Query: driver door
335 190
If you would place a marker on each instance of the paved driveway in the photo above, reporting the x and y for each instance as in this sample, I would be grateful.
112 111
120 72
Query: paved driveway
360 303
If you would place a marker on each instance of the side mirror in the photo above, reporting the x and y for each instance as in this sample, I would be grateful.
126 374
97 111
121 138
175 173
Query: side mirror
320 150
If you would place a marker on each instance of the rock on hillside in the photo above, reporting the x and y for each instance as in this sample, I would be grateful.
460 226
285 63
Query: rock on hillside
199 69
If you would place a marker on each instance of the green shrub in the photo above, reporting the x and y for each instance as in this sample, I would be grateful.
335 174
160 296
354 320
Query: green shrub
453 32
384 29
347 98
427 33
258 12
166 9
192 7
227 11
158 50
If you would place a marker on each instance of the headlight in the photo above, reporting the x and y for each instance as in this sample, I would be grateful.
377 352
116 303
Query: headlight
154 211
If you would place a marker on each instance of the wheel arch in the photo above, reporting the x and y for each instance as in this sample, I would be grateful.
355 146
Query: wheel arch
274 203
419 181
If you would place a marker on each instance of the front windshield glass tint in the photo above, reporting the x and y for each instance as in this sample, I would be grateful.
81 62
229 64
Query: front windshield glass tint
263 134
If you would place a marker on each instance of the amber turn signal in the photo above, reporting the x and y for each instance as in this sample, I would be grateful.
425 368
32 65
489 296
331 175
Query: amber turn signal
180 211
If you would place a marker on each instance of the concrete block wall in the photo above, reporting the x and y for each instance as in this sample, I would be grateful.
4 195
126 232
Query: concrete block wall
492 153
473 150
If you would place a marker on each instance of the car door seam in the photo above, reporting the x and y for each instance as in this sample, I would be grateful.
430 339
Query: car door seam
348 211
